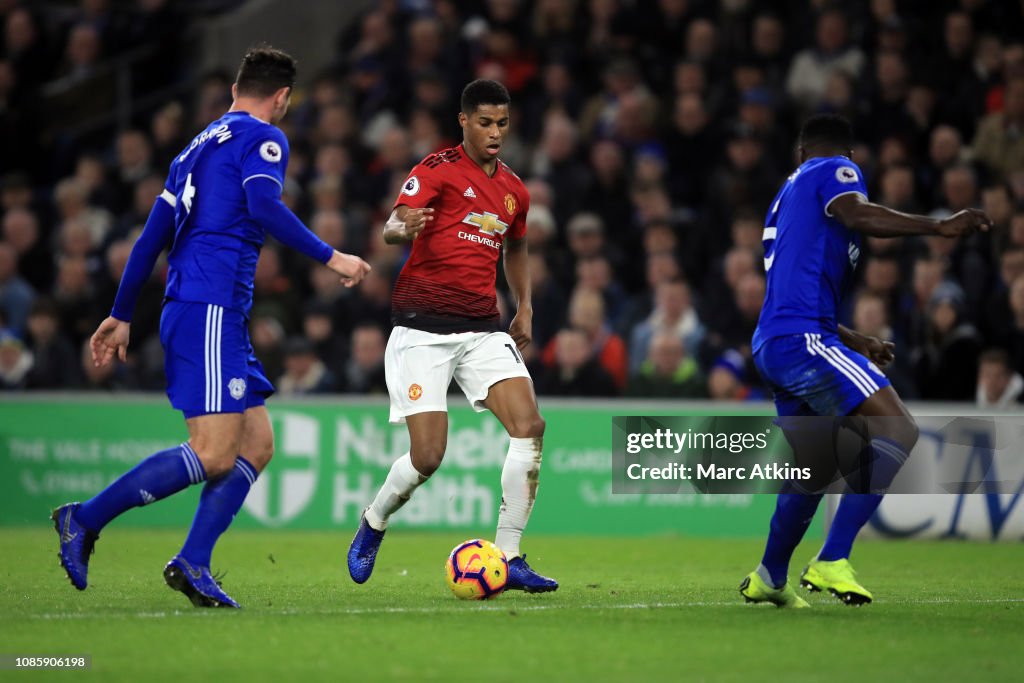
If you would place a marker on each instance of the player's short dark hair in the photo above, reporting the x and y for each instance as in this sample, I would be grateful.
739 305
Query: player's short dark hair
483 91
264 71
827 130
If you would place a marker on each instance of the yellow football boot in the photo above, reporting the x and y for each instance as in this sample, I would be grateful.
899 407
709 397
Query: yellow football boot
838 578
754 589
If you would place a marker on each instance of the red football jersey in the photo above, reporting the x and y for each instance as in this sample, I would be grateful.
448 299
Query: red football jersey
447 285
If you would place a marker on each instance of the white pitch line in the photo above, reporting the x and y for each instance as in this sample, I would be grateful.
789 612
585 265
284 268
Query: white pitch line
483 608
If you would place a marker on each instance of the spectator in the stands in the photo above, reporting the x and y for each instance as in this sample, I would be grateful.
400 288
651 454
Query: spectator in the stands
946 365
810 68
304 373
673 314
20 230
16 295
364 371
587 314
999 143
55 360
730 379
574 371
999 385
667 371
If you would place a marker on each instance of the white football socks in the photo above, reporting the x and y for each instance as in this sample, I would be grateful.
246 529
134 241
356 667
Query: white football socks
519 479
402 480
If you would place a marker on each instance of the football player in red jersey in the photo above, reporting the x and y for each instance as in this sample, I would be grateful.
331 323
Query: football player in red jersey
460 209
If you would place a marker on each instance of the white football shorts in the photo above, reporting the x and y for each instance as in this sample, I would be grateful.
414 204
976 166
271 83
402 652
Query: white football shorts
419 367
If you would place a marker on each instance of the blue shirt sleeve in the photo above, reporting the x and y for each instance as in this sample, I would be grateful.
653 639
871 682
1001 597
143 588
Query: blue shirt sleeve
266 208
838 177
154 239
265 155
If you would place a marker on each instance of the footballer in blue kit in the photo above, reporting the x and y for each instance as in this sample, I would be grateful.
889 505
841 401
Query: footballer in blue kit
222 197
817 367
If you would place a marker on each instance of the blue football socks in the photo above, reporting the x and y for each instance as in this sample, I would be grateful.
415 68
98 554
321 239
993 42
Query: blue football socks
793 514
854 512
156 477
220 502
887 458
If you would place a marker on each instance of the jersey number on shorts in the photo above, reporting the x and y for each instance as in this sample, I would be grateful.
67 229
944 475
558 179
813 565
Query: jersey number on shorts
514 352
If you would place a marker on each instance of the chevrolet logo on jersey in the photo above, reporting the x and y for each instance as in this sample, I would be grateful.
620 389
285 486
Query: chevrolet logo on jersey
486 223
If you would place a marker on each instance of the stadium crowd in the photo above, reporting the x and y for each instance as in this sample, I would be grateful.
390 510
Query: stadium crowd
652 135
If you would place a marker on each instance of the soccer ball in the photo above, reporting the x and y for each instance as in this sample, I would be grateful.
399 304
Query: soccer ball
476 570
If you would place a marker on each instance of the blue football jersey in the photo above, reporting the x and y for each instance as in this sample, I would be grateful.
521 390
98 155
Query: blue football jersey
810 257
216 243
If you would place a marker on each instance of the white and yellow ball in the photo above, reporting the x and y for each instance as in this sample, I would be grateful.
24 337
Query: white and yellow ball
476 570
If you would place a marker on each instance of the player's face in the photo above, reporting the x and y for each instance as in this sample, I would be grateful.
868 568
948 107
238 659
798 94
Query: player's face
484 130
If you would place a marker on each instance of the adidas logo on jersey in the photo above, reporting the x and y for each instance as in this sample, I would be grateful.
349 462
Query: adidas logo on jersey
146 496
469 193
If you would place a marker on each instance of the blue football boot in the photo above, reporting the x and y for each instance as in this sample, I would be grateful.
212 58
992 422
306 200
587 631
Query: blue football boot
522 578
363 551
76 544
197 583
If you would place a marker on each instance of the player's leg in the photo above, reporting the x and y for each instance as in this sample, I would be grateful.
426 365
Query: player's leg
428 438
890 434
215 438
794 511
514 404
418 368
778 361
798 502
158 476
512 401
187 361
233 382
493 376
770 581
222 498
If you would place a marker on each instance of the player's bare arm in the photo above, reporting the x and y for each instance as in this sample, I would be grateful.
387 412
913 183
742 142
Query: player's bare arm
878 351
406 224
517 274
857 213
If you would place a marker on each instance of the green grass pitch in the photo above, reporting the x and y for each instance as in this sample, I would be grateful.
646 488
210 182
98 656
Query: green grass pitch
637 609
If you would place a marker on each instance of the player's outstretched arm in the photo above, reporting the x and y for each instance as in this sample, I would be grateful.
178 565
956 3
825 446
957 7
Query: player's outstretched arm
263 197
857 213
517 274
406 224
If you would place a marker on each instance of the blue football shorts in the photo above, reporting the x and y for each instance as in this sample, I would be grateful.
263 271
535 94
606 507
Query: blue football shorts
816 374
209 360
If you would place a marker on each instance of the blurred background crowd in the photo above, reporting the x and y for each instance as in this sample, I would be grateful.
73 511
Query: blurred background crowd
652 135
